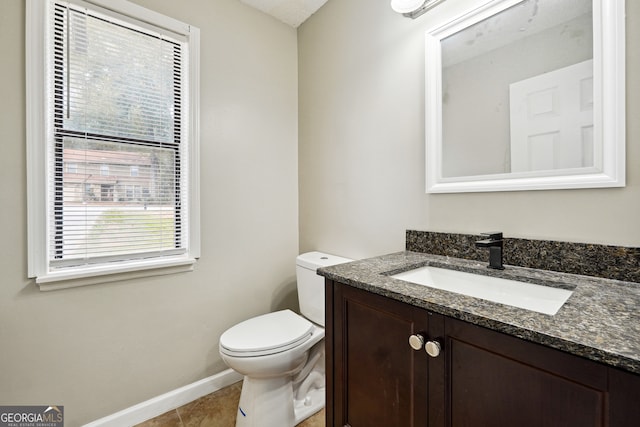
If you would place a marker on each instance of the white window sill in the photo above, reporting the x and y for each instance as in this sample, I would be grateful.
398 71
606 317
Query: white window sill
83 276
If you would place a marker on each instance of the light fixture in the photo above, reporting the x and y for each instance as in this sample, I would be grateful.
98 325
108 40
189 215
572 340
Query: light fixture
406 6
413 8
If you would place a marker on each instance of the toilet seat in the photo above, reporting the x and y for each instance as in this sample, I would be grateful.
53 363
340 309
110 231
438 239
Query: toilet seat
267 334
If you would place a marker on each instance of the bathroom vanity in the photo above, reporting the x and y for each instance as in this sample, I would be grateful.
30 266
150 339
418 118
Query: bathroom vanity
404 354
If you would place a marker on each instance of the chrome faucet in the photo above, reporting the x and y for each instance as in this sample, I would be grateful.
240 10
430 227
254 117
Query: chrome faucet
494 242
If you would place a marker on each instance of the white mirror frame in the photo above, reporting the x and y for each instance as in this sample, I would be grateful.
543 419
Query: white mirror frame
609 109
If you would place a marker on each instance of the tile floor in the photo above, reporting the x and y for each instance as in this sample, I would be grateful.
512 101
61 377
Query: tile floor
214 410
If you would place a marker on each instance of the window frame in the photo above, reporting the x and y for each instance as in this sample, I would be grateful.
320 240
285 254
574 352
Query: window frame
38 120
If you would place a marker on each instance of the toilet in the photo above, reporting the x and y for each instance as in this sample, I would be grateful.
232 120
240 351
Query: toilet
281 354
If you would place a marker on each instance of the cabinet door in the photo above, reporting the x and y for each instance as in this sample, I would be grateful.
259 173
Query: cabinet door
624 399
499 380
378 379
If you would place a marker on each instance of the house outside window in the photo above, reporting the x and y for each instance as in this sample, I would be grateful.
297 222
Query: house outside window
113 94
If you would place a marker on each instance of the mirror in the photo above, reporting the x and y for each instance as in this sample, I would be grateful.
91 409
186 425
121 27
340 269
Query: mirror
527 95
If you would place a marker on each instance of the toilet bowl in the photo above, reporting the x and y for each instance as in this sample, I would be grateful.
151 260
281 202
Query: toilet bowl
281 354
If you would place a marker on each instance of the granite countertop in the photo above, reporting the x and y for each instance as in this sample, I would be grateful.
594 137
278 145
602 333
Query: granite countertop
600 321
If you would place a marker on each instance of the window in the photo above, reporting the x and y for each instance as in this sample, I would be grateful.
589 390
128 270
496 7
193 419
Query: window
72 168
112 90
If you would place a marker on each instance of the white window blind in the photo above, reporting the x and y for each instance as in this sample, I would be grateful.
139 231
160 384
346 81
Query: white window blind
117 105
112 142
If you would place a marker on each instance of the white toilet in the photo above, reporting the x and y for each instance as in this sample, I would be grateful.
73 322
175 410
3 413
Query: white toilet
281 354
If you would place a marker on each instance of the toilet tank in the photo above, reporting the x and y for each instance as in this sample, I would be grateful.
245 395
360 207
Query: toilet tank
311 286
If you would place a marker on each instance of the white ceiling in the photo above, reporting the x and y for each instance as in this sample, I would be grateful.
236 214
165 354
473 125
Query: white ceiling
512 24
291 12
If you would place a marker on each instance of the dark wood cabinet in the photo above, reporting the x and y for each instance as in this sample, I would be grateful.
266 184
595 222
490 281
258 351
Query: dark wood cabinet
499 380
480 378
372 362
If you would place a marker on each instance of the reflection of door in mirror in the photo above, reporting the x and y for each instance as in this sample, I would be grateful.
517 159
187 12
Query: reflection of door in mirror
552 120
479 63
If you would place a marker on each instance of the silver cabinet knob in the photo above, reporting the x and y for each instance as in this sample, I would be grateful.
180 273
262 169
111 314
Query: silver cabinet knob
416 341
432 348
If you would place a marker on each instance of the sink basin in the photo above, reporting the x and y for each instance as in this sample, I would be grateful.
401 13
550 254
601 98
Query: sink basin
543 299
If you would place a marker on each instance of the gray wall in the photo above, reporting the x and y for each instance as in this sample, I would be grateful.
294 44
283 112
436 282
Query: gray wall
361 147
103 348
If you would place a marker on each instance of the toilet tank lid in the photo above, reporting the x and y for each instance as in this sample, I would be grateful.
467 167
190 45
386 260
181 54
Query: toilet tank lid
315 260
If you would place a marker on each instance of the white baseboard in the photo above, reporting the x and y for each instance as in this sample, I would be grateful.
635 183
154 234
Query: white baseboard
168 401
